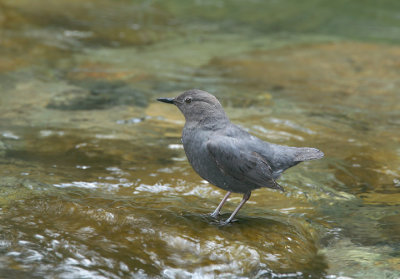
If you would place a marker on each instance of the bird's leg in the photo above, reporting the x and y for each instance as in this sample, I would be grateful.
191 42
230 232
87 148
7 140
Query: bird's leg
218 209
246 197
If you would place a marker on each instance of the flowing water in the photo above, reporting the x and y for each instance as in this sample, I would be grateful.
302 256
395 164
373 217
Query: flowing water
94 182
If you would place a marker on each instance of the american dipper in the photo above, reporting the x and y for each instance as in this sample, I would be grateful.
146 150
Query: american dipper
226 155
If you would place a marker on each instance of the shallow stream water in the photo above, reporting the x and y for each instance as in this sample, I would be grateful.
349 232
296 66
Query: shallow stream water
94 182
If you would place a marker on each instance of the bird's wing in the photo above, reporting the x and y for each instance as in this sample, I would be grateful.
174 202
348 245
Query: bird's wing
233 158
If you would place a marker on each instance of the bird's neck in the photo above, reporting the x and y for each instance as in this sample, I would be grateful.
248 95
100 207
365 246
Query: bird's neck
208 122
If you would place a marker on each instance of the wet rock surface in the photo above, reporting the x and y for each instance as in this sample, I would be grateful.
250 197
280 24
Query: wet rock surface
94 180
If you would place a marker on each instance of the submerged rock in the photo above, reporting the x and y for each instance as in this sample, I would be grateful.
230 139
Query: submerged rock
3 148
98 95
326 71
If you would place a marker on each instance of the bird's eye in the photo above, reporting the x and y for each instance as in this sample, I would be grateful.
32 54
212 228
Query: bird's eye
188 100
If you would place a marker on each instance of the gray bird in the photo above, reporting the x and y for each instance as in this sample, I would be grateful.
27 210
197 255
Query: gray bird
226 155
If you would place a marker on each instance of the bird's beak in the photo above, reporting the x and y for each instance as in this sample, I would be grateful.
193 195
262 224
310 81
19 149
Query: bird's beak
166 100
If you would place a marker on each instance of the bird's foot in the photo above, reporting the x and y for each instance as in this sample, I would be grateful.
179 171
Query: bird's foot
214 215
225 223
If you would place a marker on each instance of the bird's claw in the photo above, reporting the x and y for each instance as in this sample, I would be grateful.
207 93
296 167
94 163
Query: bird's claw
214 215
225 223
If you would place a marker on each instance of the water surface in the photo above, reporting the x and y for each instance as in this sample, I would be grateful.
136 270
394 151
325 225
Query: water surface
94 181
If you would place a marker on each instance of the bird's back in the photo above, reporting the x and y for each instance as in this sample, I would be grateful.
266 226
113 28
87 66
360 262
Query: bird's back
279 157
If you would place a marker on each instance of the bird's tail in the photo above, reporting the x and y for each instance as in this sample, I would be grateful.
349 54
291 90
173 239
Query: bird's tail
279 187
307 153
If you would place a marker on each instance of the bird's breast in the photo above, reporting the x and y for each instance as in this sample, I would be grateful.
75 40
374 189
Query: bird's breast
195 146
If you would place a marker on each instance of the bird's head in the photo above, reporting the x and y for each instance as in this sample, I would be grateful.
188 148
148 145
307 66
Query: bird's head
197 106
